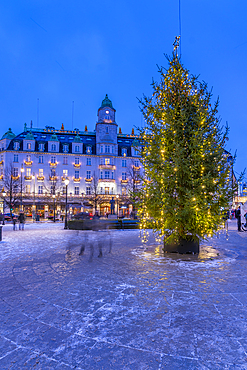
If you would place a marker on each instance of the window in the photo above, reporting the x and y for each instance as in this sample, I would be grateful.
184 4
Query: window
101 149
41 147
15 171
88 175
77 160
77 175
123 191
65 173
40 189
112 175
107 129
40 172
106 190
53 159
15 157
65 148
28 189
16 145
28 146
28 172
112 190
15 189
77 148
76 190
89 149
52 189
65 160
101 174
101 190
136 152
89 162
53 147
136 163
28 158
124 176
107 174
124 152
41 159
53 172
123 162
107 161
112 149
107 148
88 190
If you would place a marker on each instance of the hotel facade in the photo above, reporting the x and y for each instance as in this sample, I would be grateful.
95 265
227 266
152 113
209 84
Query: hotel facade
99 165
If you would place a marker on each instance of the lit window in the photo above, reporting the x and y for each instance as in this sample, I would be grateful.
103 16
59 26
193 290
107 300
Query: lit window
107 191
123 191
28 146
89 149
41 172
107 160
28 189
65 173
89 162
28 172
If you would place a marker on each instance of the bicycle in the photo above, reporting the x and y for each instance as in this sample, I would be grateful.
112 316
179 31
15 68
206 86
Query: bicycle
244 226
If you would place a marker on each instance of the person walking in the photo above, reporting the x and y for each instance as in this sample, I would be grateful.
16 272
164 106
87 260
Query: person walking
21 221
14 223
238 217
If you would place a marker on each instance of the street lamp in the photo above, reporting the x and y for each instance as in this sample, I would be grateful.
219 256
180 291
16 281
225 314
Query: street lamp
22 170
66 181
117 196
54 215
4 195
34 210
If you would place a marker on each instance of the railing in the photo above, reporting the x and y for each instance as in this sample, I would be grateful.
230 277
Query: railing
53 178
15 177
107 166
77 165
136 168
28 177
1 162
124 181
106 180
76 179
1 177
53 164
88 180
28 163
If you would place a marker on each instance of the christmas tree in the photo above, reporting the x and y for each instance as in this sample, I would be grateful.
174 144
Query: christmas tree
187 171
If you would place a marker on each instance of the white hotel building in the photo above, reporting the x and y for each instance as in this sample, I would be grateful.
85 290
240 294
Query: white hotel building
104 157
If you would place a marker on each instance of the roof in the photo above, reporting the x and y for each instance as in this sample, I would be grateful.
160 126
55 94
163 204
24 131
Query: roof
106 102
9 135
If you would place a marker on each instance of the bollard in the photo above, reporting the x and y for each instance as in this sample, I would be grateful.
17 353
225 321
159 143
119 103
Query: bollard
1 228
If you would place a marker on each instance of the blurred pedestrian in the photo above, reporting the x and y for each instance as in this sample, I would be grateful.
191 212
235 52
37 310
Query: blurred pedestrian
21 220
238 217
1 218
14 223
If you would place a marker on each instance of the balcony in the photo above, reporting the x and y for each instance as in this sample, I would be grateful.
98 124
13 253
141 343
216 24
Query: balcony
29 178
76 179
40 178
136 168
77 165
124 181
53 178
1 162
1 177
28 163
53 164
16 177
89 180
106 180
107 166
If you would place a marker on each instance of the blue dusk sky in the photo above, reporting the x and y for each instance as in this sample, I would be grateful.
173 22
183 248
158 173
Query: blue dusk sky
65 51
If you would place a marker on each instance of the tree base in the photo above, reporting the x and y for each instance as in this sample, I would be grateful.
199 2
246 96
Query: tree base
184 246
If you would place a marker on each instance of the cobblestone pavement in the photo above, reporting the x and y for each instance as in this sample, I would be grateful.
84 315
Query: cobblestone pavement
119 304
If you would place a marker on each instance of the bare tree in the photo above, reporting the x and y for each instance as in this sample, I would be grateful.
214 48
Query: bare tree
133 184
12 186
96 197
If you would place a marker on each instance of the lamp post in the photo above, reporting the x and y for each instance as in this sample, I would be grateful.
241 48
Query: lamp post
22 170
33 177
54 214
66 181
4 195
117 196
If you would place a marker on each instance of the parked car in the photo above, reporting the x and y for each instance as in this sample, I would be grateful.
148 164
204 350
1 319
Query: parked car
7 216
82 216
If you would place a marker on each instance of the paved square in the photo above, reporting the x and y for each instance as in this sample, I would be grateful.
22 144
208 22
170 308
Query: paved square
132 308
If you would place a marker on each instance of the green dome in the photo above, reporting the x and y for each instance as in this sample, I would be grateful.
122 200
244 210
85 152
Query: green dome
77 139
9 135
135 143
106 102
53 137
29 136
